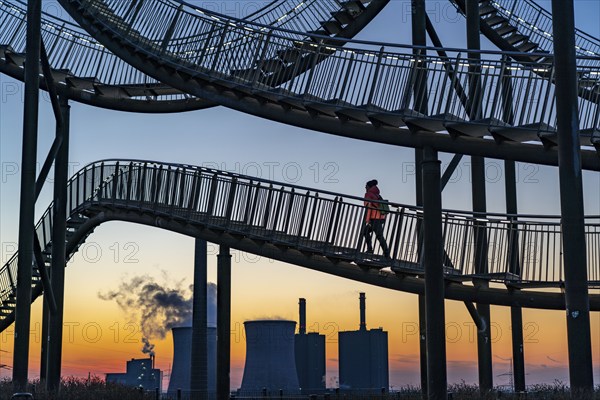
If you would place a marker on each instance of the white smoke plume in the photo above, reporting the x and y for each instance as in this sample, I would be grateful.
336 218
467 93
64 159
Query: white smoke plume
158 307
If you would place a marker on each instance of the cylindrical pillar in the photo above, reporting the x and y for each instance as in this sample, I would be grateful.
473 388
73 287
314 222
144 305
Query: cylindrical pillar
199 367
419 38
516 313
434 277
571 199
223 323
59 257
27 196
484 344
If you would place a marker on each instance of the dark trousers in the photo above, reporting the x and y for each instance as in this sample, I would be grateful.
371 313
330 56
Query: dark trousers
376 226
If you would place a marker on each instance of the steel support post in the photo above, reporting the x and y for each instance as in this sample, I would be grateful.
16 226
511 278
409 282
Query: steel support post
484 345
59 230
44 342
516 313
434 277
199 366
419 38
223 322
27 197
571 199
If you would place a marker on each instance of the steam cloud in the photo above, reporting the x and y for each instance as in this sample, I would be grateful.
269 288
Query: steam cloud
158 307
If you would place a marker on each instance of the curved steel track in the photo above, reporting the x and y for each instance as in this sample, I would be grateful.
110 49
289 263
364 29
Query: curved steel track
316 229
85 71
357 89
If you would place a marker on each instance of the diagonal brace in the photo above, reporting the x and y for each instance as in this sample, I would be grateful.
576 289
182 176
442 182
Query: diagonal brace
39 260
479 322
450 169
50 85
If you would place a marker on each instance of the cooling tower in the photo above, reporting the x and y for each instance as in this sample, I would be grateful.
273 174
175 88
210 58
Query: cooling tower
270 360
182 359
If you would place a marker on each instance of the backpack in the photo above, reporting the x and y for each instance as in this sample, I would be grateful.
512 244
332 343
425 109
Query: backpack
384 208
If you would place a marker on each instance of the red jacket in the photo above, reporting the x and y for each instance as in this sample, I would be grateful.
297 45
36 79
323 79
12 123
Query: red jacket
372 208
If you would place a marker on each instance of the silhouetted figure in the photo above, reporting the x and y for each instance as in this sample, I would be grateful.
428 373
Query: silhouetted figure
374 219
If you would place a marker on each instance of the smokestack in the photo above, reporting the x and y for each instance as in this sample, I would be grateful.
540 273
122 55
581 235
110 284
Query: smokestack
302 328
363 320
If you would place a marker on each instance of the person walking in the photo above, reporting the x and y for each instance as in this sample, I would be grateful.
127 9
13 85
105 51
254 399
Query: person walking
374 219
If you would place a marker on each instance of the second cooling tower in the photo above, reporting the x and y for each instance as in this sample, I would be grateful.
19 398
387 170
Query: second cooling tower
270 361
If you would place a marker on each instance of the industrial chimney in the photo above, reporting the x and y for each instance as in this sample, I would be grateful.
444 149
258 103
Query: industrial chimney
310 357
182 359
363 357
270 362
302 328
363 319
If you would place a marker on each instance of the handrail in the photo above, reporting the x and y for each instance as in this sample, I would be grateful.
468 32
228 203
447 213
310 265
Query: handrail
247 45
89 73
321 222
232 174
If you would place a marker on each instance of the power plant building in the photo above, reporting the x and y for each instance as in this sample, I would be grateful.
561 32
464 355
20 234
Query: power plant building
363 357
140 373
182 360
310 357
270 359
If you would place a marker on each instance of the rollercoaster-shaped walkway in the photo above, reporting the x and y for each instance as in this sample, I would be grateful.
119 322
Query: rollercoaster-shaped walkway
87 72
316 229
357 89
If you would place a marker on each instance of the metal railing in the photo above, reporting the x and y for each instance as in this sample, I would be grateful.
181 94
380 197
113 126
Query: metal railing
73 50
535 22
375 78
78 55
524 250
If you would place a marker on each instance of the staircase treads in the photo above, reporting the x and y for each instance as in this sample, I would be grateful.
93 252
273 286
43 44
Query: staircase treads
495 20
271 65
15 58
526 46
343 17
81 83
290 55
386 117
354 7
505 29
476 128
521 133
349 111
332 27
433 123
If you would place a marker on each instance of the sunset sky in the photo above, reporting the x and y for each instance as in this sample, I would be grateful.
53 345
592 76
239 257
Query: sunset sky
99 337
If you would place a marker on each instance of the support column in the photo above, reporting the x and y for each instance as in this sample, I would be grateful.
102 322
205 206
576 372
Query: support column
484 345
223 323
571 199
419 38
434 277
199 367
27 197
516 312
59 229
